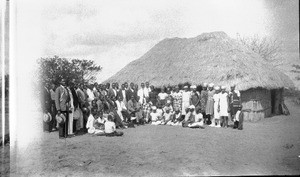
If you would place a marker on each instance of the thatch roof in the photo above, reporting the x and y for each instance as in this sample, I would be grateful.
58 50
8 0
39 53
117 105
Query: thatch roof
209 57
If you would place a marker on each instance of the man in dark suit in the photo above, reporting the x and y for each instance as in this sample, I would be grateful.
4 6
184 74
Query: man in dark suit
130 92
122 93
62 99
46 106
112 92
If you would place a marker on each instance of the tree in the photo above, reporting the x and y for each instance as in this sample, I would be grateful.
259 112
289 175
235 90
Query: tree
52 70
269 49
296 70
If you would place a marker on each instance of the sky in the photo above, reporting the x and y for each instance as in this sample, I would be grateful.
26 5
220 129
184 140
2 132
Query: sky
116 32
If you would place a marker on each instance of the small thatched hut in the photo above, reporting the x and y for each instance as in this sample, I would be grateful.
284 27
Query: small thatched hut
212 57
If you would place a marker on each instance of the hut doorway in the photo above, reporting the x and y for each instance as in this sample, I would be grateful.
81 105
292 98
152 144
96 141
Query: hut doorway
273 101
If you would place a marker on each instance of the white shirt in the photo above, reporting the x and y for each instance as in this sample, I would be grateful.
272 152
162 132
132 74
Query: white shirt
120 105
198 117
167 116
115 92
142 93
162 96
154 116
90 94
109 127
90 122
124 94
160 112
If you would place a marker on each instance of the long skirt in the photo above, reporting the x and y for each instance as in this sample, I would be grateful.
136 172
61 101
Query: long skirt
209 107
70 124
185 105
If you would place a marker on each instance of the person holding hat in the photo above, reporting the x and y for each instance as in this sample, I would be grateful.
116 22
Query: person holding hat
224 106
216 118
46 107
186 95
210 104
62 103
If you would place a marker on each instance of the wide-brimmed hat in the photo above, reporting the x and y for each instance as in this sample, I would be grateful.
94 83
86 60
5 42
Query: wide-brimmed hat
47 117
185 86
60 118
193 86
205 84
153 107
223 87
211 85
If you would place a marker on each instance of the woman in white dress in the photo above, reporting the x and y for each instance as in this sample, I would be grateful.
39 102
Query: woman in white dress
216 117
186 95
224 106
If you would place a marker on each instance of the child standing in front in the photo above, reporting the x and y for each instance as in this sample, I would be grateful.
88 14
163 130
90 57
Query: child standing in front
238 119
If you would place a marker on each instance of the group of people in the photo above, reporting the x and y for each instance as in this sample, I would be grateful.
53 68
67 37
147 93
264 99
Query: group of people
100 109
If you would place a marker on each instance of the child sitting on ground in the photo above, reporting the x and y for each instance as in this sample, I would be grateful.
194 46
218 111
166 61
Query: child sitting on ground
167 117
168 106
159 110
155 116
92 125
198 123
110 127
189 117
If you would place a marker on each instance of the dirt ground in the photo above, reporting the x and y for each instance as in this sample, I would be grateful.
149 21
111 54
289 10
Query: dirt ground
268 147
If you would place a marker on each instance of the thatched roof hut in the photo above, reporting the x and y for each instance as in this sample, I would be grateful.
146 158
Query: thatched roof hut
209 57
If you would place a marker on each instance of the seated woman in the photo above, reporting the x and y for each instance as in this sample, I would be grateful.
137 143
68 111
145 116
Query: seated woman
155 116
110 127
168 106
92 125
167 117
189 117
198 123
177 117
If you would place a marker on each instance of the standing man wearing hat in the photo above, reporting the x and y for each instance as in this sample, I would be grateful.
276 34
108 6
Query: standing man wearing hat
62 103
